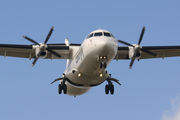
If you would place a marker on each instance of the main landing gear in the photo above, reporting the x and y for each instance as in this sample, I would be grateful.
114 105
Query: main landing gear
110 87
62 86
103 63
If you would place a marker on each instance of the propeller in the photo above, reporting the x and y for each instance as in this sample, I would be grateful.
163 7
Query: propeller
137 48
42 46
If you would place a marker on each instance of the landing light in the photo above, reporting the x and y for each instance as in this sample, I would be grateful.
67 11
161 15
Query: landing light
79 75
100 75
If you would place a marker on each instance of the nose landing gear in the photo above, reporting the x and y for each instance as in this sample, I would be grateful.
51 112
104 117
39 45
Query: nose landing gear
103 61
103 64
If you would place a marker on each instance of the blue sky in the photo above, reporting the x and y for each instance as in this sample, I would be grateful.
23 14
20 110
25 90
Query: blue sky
149 91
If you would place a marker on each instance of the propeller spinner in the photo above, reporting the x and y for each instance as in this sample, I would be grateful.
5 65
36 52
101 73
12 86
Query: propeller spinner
43 46
137 48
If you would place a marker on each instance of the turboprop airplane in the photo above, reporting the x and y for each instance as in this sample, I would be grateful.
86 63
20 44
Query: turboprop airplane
87 62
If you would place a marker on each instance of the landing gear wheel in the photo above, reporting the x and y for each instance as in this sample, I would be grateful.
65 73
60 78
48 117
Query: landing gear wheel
111 89
59 89
107 89
65 88
105 65
101 65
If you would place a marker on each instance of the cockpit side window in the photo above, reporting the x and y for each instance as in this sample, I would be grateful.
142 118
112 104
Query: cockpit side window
98 34
107 34
89 36
112 35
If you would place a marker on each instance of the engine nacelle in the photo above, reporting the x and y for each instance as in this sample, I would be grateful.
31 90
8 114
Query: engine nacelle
43 53
132 51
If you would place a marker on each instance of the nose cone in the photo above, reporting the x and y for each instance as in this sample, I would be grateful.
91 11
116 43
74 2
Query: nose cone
107 47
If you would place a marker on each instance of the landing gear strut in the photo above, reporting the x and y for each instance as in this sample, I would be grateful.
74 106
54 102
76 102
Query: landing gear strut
110 86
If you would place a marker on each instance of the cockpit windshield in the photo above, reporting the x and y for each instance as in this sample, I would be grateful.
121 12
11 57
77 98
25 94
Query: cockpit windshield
98 34
107 34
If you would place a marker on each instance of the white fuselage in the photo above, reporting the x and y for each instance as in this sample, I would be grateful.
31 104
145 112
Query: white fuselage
83 70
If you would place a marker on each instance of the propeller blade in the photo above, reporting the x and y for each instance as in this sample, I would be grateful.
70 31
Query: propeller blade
48 36
37 57
53 52
132 60
125 43
149 52
33 41
141 36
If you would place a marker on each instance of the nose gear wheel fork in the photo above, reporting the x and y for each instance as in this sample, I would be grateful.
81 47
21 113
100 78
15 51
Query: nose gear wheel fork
103 64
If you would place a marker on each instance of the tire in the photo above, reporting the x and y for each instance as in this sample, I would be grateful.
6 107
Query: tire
107 89
59 89
105 65
65 88
112 89
101 65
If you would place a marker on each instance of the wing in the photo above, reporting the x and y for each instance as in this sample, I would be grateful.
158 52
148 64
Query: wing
28 51
161 51
13 50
